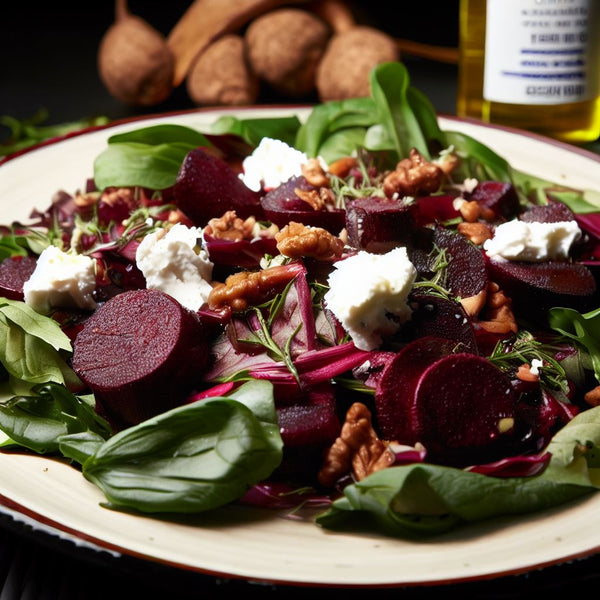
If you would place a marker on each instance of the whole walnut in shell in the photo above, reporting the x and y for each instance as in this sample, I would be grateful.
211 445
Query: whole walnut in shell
221 76
134 61
285 46
345 67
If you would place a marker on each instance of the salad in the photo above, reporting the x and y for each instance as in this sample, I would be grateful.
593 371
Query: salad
359 314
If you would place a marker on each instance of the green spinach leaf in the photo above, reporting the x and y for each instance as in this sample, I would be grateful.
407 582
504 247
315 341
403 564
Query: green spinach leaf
425 499
192 458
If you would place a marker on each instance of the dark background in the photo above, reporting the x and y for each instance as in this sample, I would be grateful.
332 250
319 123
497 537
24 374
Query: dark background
48 53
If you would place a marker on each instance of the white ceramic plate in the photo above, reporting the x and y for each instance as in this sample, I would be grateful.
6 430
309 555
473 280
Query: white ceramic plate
258 545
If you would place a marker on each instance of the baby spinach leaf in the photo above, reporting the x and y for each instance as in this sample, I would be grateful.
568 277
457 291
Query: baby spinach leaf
192 458
253 131
478 160
583 329
148 157
32 345
389 88
39 421
425 499
334 117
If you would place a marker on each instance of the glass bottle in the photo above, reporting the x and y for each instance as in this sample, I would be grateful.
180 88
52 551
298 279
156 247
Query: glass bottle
532 64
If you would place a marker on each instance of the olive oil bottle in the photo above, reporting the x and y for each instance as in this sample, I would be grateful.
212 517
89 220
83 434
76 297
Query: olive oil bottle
532 64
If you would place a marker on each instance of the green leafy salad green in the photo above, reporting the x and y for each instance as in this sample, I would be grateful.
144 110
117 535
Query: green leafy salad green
212 452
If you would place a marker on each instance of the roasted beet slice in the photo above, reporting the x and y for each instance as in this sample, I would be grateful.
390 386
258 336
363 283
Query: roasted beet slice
465 273
14 272
429 210
553 212
282 205
140 353
378 224
463 410
441 317
499 197
395 387
207 187
536 287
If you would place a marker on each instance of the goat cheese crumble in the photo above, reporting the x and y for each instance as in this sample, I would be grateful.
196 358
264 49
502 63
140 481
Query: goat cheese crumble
61 280
272 163
368 294
533 241
173 261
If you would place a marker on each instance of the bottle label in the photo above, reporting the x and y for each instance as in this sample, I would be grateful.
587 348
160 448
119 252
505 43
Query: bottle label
541 51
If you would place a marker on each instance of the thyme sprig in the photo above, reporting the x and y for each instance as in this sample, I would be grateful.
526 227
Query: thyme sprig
263 335
509 354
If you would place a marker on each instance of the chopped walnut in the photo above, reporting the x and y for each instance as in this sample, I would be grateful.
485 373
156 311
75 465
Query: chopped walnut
524 373
314 173
86 200
448 163
296 240
473 305
231 227
114 196
472 211
413 176
593 396
342 166
475 232
358 449
319 199
499 317
248 288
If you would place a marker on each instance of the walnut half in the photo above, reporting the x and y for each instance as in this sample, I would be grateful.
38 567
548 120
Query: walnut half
413 176
297 240
357 450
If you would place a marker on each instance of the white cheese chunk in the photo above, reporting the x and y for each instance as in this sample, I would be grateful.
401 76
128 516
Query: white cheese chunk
368 294
533 241
173 261
271 163
61 280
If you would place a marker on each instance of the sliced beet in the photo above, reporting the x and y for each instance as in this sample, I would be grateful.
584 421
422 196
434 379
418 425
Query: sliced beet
378 224
239 253
282 205
308 426
465 273
14 272
206 187
463 410
441 317
396 386
140 353
429 210
536 287
499 197
311 420
553 212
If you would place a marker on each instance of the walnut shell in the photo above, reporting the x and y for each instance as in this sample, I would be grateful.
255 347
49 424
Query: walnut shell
221 76
135 63
285 46
350 56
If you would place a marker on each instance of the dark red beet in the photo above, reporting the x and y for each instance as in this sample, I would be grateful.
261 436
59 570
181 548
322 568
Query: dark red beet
310 421
460 409
434 209
239 253
378 224
282 205
535 287
465 272
499 197
397 384
14 272
553 212
140 353
441 317
207 187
